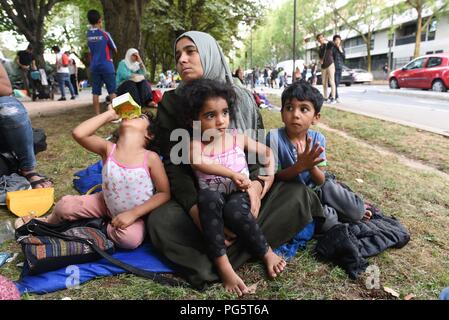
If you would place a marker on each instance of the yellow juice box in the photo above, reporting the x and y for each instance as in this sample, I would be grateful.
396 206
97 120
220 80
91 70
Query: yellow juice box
125 106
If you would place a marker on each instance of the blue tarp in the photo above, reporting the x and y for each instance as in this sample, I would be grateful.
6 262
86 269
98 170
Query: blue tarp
288 250
144 257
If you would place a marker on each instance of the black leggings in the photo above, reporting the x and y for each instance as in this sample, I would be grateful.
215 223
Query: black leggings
234 211
140 91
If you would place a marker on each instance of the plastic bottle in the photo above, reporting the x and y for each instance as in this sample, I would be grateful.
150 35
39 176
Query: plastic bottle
6 231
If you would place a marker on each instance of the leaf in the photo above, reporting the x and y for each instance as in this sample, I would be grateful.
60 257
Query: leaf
392 292
410 296
253 288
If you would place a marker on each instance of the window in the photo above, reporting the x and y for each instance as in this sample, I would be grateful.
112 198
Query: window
432 28
434 62
415 64
439 51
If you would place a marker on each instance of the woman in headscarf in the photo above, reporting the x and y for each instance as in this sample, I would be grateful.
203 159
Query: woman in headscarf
131 78
282 209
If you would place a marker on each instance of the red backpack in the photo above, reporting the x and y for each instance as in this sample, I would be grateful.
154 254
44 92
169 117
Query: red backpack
65 60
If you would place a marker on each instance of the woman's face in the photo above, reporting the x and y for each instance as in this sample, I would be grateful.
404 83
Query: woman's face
188 62
134 57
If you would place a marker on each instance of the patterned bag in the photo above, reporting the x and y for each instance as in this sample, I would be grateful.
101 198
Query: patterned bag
49 247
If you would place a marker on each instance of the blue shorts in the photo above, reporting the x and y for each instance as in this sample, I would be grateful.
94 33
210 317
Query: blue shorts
99 78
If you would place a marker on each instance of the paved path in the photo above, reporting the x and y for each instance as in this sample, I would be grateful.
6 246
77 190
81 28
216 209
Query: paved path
425 110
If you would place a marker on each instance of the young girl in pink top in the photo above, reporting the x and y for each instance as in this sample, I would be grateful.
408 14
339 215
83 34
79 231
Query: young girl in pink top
134 180
219 162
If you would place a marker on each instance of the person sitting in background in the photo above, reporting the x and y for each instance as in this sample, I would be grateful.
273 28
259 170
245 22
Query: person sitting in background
16 133
25 61
131 78
238 77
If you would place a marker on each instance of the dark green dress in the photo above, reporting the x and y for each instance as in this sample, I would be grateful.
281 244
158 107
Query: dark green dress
286 209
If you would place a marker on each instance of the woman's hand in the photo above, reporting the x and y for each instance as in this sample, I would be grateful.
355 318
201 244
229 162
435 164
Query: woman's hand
124 220
255 196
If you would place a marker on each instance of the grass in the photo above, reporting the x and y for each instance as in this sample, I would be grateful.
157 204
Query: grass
420 200
427 147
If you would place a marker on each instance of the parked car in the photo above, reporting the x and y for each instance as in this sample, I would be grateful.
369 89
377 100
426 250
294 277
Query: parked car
361 76
347 78
426 72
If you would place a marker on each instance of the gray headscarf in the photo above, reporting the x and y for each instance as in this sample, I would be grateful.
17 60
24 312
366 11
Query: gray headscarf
215 67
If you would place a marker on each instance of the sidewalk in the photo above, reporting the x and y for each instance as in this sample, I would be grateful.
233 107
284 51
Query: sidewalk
50 107
418 93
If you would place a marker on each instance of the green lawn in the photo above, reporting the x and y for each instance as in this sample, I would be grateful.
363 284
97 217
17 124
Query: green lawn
429 148
420 200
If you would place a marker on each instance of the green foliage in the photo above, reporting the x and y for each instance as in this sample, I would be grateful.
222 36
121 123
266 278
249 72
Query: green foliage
165 20
272 41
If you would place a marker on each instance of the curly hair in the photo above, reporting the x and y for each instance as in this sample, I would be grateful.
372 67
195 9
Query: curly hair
303 91
197 92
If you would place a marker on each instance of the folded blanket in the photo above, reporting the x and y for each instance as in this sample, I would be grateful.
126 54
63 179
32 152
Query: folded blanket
144 257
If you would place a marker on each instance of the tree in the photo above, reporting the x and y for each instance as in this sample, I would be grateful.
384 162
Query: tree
123 20
27 18
437 8
165 20
363 17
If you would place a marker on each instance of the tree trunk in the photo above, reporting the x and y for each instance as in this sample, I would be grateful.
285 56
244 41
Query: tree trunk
368 50
122 20
28 19
418 33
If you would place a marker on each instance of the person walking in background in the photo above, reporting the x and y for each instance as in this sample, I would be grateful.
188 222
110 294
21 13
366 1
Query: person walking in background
313 72
338 53
73 71
297 74
327 65
102 69
304 73
62 73
25 61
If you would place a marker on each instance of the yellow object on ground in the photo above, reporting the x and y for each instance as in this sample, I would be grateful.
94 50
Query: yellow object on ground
35 202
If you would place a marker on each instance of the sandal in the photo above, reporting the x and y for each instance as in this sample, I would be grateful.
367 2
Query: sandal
25 219
34 183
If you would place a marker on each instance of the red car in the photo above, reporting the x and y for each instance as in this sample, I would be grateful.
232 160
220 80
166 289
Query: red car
426 72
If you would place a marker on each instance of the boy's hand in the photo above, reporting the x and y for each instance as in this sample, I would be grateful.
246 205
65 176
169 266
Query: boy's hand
309 157
241 181
123 220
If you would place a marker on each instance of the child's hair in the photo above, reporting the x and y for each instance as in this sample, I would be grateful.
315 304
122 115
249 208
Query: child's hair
198 91
56 49
303 91
319 35
93 16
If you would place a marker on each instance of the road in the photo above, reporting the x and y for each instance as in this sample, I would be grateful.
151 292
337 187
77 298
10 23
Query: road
416 108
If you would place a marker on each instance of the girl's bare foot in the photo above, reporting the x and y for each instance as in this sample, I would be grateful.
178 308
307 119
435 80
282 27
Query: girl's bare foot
231 281
25 219
275 264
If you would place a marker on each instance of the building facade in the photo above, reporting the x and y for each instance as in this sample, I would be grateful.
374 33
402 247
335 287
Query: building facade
400 45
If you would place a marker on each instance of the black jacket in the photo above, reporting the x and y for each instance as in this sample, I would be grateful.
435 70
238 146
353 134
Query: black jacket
347 245
339 57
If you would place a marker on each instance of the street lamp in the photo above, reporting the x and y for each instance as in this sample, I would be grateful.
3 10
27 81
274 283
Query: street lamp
294 40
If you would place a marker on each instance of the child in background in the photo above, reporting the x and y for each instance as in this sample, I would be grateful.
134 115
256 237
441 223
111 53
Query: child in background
134 180
301 155
219 162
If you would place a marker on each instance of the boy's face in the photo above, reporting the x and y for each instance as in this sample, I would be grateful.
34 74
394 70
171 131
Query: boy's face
298 116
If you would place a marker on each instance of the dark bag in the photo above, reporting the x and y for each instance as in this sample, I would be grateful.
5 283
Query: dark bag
49 247
39 140
8 161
